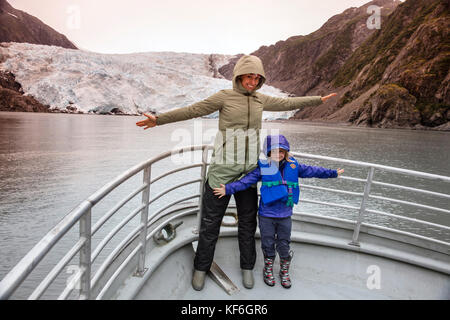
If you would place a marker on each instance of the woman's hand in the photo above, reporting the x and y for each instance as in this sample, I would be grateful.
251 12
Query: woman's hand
340 171
220 191
328 97
147 123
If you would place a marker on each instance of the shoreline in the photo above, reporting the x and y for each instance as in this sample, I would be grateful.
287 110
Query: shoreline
325 123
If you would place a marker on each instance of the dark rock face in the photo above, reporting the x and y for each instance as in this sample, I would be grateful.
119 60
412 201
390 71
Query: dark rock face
389 107
12 98
8 81
227 70
19 26
412 52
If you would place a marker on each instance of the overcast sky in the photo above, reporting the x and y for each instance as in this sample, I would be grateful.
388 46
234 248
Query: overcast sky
197 26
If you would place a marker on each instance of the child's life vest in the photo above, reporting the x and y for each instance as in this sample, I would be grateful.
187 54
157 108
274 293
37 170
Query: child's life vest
276 186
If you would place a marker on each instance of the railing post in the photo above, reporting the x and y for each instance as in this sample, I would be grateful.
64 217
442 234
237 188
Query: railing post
362 209
202 185
144 217
85 256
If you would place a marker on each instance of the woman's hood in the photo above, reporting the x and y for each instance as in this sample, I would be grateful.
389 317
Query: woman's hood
248 64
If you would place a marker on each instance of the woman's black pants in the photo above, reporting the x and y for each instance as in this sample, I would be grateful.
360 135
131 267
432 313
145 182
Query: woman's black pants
213 211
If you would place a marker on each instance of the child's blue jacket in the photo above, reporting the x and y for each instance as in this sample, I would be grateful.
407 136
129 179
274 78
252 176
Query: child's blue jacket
277 209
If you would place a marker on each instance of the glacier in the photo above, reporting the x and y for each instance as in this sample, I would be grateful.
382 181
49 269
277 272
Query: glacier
81 81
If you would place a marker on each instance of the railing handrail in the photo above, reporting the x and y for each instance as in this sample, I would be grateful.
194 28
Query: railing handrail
369 181
25 266
375 166
106 189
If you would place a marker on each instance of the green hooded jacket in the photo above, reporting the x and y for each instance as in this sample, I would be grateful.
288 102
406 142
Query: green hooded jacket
237 143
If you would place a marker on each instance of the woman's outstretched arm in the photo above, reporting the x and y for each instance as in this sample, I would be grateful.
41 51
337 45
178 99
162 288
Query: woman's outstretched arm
198 109
287 104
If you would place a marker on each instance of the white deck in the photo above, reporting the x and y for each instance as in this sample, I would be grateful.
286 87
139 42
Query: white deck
318 272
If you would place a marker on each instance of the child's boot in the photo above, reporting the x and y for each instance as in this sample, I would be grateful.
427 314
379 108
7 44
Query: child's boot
268 271
284 271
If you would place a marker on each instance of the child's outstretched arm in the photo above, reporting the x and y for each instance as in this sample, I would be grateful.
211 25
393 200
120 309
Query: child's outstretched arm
318 172
248 180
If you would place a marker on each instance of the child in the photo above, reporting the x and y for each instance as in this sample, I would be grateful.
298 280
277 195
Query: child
279 193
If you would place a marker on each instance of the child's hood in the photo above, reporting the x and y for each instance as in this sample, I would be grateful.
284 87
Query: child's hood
275 142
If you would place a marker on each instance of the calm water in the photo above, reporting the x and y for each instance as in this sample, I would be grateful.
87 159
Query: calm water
49 163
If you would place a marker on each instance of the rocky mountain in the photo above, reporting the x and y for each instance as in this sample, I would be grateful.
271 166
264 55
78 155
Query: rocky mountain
395 76
302 63
19 26
403 68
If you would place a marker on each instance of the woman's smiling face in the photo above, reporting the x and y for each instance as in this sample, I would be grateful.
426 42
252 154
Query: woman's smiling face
250 81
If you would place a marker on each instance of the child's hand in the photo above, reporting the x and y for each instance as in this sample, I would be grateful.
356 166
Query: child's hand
220 191
340 171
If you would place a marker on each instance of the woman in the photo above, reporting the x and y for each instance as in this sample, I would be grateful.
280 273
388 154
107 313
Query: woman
240 116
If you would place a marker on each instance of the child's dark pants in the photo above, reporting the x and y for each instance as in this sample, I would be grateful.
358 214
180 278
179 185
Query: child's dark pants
275 235
212 213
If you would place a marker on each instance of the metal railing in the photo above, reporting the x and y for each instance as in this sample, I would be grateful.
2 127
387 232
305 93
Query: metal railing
369 182
82 217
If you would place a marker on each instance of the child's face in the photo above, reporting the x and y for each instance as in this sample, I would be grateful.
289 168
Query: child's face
277 154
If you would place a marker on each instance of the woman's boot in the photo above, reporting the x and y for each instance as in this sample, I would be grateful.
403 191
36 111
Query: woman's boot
268 271
247 278
198 279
